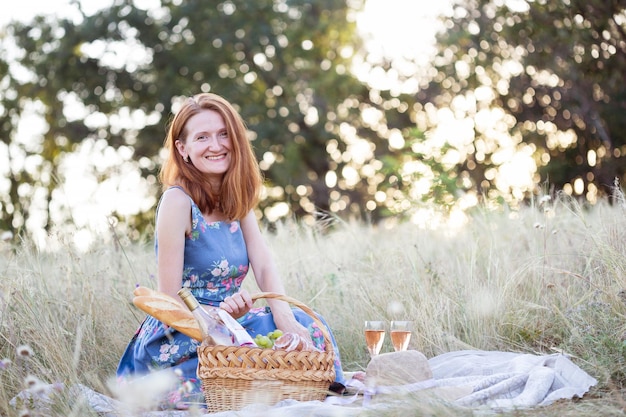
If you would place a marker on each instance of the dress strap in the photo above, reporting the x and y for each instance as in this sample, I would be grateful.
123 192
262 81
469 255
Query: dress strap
179 187
193 204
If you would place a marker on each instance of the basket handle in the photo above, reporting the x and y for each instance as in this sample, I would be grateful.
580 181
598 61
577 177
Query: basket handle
301 306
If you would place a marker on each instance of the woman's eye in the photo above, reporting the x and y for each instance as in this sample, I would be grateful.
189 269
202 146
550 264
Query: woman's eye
223 134
202 138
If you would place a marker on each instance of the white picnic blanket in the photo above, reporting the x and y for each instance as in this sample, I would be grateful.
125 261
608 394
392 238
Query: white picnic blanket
486 379
508 380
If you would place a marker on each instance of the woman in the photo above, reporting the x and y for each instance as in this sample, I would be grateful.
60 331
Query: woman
207 236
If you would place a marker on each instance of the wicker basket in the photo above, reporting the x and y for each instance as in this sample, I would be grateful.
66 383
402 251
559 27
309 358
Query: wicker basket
234 376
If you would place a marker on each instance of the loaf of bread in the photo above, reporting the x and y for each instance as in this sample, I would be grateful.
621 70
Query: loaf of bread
168 310
139 290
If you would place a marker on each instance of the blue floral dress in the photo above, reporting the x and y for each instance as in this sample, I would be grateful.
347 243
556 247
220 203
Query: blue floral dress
215 265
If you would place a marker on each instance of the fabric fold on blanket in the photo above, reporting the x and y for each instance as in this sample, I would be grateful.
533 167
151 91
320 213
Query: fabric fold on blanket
509 380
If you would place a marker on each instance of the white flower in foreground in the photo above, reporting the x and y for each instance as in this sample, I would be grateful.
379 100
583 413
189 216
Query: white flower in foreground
6 236
24 351
145 392
36 385
30 381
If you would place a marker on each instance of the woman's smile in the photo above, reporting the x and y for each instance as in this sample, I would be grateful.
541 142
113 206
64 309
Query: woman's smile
216 157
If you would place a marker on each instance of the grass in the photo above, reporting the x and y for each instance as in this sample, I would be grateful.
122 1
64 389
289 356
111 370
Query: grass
543 279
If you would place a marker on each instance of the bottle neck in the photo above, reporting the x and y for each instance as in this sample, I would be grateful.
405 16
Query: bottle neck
188 298
191 303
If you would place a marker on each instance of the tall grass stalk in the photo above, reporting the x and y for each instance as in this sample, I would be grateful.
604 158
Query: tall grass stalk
544 279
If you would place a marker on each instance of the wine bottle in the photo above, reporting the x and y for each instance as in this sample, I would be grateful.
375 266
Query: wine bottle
213 330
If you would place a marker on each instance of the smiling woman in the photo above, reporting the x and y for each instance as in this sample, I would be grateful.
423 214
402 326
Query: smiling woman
207 238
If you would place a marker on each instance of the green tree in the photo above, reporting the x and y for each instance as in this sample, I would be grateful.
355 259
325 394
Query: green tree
554 72
115 77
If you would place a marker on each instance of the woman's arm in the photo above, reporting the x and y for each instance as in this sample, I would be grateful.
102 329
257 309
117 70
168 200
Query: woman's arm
173 222
266 275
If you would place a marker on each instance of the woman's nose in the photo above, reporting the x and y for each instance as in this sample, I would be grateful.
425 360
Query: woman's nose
213 142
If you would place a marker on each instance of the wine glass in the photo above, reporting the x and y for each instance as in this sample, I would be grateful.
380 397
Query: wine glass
374 336
400 334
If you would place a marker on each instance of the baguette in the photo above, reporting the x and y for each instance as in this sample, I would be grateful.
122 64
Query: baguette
167 310
139 290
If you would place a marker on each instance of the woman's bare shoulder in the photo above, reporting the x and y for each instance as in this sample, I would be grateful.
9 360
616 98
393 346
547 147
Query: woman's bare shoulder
175 197
250 221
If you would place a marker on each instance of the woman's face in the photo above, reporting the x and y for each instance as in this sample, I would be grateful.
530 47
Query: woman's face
207 143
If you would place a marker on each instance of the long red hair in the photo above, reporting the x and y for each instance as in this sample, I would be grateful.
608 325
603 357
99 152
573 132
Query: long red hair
241 184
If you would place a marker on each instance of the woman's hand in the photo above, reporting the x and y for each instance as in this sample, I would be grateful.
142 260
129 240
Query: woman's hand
292 326
238 304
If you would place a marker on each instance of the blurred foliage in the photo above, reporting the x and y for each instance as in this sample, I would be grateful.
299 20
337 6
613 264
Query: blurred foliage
539 79
284 64
556 69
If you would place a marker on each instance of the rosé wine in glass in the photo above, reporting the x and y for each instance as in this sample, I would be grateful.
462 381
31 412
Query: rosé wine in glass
374 336
400 335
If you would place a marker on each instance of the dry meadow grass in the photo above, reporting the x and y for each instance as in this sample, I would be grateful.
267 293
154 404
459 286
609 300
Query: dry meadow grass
543 279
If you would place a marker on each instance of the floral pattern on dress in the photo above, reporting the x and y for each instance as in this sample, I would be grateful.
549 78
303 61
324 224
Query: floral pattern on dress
167 350
194 234
213 225
221 268
174 351
214 276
